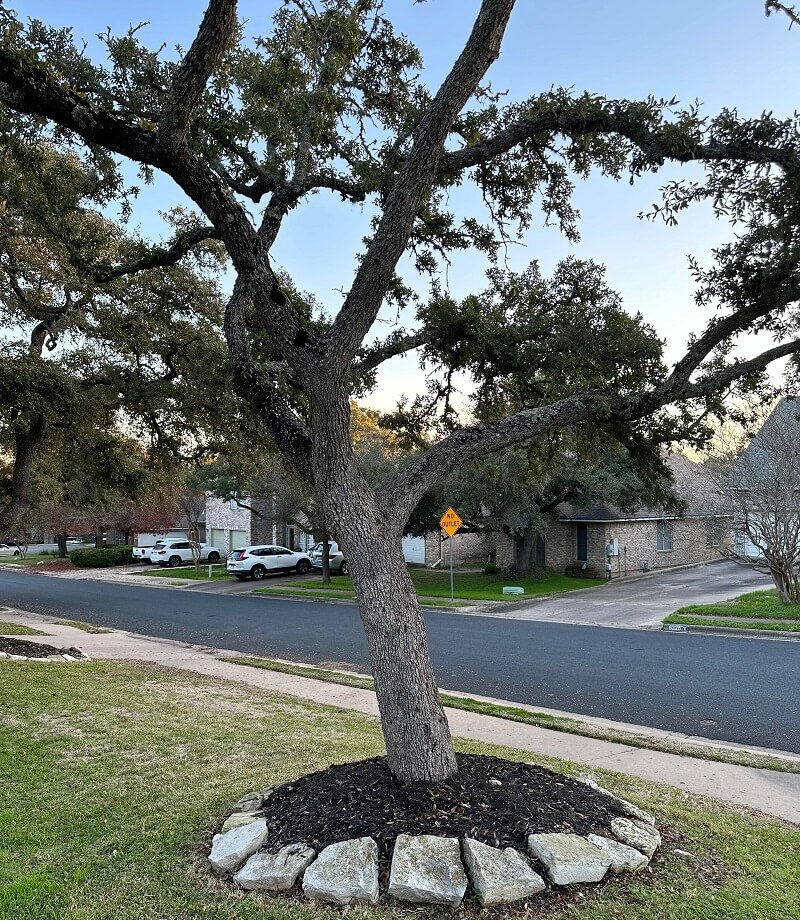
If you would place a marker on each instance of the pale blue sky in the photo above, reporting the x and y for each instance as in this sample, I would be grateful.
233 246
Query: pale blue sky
725 53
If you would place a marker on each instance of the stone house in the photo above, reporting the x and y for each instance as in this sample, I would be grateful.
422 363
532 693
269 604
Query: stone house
231 524
593 538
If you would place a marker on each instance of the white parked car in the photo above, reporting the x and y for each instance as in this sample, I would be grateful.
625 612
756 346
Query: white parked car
179 552
258 561
336 560
141 554
6 550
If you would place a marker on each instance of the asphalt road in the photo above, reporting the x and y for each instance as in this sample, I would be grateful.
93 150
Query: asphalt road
738 690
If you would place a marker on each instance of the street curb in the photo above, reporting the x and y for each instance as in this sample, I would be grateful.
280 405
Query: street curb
736 632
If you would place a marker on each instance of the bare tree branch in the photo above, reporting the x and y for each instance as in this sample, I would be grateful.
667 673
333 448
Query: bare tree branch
775 6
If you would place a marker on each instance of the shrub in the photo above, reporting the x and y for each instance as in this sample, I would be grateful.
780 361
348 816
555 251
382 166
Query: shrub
125 553
99 558
491 568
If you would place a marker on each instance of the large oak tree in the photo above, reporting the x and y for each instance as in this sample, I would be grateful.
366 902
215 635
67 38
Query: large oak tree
334 101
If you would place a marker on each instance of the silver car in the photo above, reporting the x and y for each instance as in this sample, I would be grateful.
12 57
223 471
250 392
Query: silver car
6 550
335 557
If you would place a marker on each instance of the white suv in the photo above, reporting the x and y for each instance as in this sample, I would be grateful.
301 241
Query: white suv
257 561
178 552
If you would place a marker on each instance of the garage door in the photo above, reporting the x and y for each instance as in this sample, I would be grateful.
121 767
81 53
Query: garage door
414 549
239 538
228 540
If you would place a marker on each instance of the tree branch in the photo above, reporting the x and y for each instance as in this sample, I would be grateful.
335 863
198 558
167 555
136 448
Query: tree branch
202 59
775 6
414 181
158 257
398 344
284 427
402 493
617 118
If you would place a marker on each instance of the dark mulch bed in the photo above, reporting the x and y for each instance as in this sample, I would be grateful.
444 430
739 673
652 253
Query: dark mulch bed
35 649
364 800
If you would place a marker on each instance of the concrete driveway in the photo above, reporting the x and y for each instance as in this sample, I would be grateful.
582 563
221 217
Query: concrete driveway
640 601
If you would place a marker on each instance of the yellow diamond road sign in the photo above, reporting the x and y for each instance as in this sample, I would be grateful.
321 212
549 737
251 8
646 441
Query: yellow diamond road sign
450 522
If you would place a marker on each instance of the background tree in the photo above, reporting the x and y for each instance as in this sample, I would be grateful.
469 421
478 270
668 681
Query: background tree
333 100
759 484
87 349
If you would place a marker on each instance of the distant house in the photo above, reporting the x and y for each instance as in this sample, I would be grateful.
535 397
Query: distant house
763 487
179 527
251 521
231 524
588 540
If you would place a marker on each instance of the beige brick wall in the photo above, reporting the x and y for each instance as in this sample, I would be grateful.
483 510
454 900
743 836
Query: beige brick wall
468 548
637 545
221 516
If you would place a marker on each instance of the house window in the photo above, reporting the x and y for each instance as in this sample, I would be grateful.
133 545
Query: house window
664 536
582 540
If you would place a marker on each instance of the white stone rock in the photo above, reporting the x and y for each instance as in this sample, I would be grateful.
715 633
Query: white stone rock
628 808
499 876
17 657
3 655
249 803
238 819
427 870
569 858
230 850
344 872
643 837
623 858
275 871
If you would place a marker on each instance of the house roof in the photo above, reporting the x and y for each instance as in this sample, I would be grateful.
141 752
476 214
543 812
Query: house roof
769 446
693 486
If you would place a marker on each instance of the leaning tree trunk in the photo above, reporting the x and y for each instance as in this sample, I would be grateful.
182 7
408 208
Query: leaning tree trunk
27 441
415 729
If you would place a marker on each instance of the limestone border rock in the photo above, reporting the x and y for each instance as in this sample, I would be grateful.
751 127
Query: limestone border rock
231 849
569 858
623 858
344 872
427 870
626 807
637 834
499 876
275 871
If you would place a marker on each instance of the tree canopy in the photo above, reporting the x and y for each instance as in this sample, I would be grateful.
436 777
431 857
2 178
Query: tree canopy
333 100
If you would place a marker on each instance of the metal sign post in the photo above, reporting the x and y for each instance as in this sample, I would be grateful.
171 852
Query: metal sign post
450 522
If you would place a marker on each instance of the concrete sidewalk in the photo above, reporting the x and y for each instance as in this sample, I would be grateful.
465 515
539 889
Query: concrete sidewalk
772 792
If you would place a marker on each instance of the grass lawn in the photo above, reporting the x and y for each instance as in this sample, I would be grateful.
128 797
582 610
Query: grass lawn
18 629
112 776
189 572
31 559
466 585
746 612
